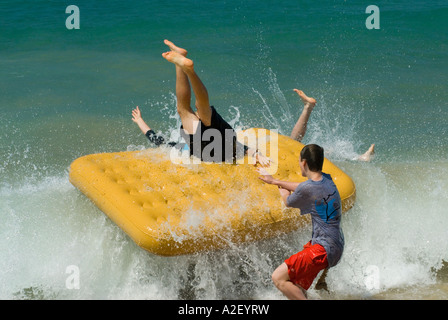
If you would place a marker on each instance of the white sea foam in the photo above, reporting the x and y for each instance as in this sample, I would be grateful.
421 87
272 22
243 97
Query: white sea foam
396 233
397 226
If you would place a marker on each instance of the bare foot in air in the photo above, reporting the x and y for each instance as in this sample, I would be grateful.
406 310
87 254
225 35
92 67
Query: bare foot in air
307 101
179 60
368 154
174 48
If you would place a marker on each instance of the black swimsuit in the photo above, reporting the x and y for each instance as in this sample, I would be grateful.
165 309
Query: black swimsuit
157 140
215 149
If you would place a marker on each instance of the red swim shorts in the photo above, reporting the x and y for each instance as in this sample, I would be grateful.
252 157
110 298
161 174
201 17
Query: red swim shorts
304 266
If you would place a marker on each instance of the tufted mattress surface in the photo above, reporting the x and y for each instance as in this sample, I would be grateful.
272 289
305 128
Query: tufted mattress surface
171 208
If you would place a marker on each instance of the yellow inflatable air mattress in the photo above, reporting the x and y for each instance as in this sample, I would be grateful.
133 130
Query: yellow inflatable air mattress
170 205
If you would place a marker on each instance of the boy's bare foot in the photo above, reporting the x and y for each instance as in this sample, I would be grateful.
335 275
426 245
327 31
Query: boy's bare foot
179 60
174 48
307 101
368 154
321 284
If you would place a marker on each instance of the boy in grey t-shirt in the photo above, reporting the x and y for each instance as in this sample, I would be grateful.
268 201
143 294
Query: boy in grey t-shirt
319 197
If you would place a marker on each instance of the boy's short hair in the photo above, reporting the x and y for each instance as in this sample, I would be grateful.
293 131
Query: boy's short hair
314 156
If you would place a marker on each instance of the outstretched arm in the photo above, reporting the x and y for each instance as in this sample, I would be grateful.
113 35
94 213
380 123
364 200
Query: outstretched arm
299 130
150 134
260 158
137 118
266 177
285 187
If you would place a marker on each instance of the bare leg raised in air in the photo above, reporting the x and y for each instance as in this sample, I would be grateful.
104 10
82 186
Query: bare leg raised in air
187 79
368 154
186 76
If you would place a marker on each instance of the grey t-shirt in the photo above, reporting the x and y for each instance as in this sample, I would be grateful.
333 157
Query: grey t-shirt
321 199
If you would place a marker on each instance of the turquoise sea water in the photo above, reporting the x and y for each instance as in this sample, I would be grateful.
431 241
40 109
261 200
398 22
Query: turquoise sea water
66 93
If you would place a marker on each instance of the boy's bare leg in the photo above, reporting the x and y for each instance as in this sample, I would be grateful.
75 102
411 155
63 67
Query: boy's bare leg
321 284
200 91
183 94
299 130
281 280
368 154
